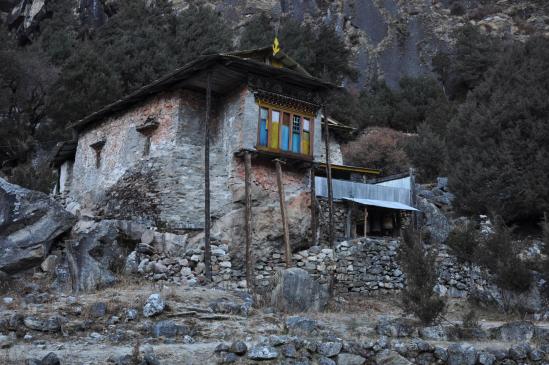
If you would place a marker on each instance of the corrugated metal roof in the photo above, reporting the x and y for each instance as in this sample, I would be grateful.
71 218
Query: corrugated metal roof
350 189
382 204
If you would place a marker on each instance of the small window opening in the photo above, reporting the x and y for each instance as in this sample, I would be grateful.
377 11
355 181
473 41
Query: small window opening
147 129
97 147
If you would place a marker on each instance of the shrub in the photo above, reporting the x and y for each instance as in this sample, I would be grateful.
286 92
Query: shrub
500 256
427 152
381 148
469 327
464 241
421 276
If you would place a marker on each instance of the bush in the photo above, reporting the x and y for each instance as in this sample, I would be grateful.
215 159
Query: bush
427 152
421 277
500 255
380 148
468 329
464 241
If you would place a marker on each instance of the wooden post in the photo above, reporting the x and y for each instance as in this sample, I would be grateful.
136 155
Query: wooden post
281 196
313 206
349 221
248 218
329 180
207 248
365 222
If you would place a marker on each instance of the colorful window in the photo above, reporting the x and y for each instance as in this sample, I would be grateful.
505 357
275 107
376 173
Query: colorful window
296 134
263 125
285 131
275 122
306 136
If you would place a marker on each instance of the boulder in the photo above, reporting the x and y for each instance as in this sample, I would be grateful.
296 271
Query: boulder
238 347
397 327
388 357
29 222
461 354
5 342
350 359
329 349
433 222
302 326
132 264
50 324
91 252
154 305
486 358
296 291
261 352
50 264
514 331
436 333
168 328
50 359
519 351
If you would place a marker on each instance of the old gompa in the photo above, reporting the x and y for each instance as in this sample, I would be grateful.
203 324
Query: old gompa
236 138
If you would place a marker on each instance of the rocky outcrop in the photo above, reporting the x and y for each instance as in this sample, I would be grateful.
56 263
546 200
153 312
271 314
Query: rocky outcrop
29 222
93 254
297 291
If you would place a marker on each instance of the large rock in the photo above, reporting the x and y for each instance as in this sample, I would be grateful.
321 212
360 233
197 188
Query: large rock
461 354
154 305
388 357
29 222
93 252
433 221
297 291
515 331
260 352
350 359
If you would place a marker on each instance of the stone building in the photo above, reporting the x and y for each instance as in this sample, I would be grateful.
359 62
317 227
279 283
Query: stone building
141 158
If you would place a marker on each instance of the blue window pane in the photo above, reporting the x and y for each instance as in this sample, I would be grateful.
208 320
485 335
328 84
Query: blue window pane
285 145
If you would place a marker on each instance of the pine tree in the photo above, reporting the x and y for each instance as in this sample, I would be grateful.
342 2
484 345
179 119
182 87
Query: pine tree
497 144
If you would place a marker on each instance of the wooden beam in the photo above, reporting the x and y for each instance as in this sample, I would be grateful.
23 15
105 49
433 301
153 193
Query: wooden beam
283 212
365 222
329 179
313 207
349 221
248 218
207 248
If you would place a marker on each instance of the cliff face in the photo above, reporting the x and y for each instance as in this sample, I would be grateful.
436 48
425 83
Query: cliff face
390 38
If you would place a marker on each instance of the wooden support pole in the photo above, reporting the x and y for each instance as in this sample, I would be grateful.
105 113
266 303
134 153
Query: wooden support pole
329 180
313 206
365 222
281 197
349 221
248 218
207 248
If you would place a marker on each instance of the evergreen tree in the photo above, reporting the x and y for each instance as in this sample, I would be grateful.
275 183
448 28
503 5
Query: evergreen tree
258 33
498 150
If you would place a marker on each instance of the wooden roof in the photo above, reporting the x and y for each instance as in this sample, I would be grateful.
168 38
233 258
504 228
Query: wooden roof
228 71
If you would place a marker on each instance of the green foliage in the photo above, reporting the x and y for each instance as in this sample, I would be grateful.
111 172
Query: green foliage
501 256
421 277
403 109
320 50
139 44
258 33
464 69
497 143
427 152
464 242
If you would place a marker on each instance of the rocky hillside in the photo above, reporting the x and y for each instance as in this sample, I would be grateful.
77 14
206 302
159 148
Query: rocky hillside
390 38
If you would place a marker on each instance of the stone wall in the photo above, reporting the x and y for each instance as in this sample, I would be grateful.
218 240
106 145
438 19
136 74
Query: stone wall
339 214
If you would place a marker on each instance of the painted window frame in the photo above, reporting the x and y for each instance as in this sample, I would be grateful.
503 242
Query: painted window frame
293 112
